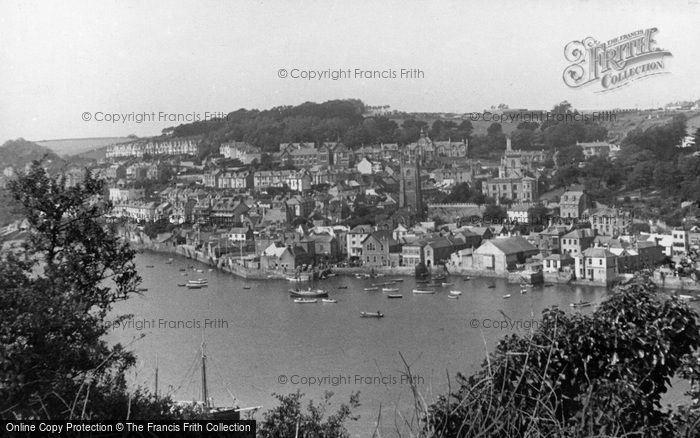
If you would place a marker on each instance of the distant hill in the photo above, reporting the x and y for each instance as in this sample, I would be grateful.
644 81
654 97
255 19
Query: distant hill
18 153
81 146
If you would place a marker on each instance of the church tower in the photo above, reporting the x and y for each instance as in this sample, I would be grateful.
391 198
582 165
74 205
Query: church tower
410 190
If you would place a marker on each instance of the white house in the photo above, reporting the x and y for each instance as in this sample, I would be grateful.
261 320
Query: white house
597 265
365 167
354 239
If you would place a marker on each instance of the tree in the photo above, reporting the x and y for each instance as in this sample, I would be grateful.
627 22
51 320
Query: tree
459 193
539 215
288 419
570 156
494 214
57 289
578 375
494 129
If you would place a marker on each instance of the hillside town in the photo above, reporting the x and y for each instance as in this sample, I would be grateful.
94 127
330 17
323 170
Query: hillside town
428 204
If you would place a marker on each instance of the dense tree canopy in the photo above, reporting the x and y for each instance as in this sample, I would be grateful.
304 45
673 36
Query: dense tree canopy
576 375
56 290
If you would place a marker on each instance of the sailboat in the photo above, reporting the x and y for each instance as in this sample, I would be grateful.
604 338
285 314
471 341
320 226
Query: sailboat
208 410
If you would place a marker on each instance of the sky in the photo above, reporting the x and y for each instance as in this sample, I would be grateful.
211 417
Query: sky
184 59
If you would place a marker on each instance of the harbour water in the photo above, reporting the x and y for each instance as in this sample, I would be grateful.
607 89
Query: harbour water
259 342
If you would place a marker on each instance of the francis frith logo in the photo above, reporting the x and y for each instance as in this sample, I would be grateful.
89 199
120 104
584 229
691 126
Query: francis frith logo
614 63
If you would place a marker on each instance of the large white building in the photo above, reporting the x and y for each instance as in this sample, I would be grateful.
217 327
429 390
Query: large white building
155 147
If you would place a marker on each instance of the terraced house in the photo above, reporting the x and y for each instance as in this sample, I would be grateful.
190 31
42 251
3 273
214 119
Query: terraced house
296 180
242 151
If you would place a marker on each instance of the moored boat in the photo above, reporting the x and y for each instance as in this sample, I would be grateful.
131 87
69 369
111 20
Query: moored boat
581 304
390 289
372 314
369 289
150 266
394 296
523 291
308 293
454 297
447 284
305 300
342 287
299 278
328 301
194 286
181 284
506 296
423 291
455 292
466 278
397 280
199 281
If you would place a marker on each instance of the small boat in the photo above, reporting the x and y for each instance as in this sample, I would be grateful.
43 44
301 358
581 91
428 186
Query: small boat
687 297
506 296
434 285
548 285
328 301
390 289
455 297
182 269
211 269
581 304
455 292
142 289
467 278
397 280
422 281
200 281
447 284
423 291
184 274
394 296
342 287
194 286
491 286
308 293
373 288
181 284
372 314
305 300
299 278
169 262
246 287
199 270
150 266
523 291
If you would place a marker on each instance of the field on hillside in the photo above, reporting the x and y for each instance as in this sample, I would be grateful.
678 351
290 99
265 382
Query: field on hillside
74 146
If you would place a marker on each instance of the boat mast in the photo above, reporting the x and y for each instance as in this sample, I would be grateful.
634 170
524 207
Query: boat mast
205 394
156 391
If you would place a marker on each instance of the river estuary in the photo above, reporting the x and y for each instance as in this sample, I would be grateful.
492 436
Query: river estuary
259 342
